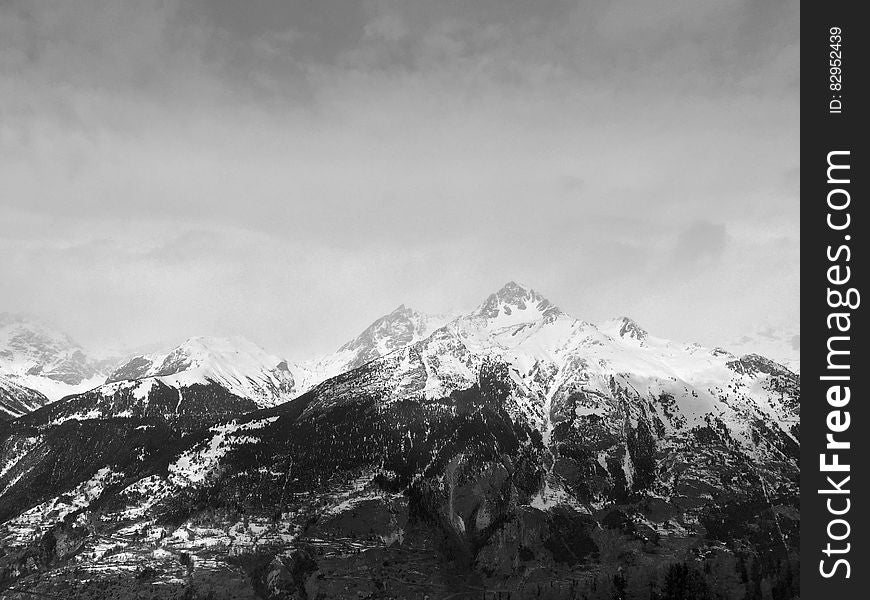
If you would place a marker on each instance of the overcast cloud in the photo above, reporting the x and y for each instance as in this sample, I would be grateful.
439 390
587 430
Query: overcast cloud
289 171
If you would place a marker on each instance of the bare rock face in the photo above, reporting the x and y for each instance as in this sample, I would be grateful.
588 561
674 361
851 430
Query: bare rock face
137 367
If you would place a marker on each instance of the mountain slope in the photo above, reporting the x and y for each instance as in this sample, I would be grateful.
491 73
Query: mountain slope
16 400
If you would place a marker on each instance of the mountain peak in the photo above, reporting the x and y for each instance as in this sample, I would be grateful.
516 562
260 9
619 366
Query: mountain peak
401 312
515 303
236 364
512 289
624 327
394 330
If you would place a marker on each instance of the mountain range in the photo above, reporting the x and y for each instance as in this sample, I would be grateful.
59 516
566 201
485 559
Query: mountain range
513 447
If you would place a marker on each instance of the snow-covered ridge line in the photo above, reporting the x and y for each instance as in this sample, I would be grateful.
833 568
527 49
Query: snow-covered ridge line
236 364
516 324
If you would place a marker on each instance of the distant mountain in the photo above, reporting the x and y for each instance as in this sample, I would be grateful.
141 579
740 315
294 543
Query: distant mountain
513 448
237 364
36 355
624 328
203 378
393 331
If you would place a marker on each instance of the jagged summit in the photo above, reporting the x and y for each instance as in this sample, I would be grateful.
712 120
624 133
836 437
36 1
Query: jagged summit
516 303
388 332
397 329
513 305
515 324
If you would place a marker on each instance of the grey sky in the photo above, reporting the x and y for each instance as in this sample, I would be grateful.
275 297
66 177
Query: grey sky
291 170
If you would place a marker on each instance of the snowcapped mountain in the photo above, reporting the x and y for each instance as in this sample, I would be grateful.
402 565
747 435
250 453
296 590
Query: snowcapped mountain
38 356
515 304
405 326
515 442
205 377
562 368
236 364
395 330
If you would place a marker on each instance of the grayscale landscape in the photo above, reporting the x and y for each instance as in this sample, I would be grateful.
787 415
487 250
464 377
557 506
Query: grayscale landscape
399 300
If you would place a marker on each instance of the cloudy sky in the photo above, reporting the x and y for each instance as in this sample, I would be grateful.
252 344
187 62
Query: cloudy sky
290 170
